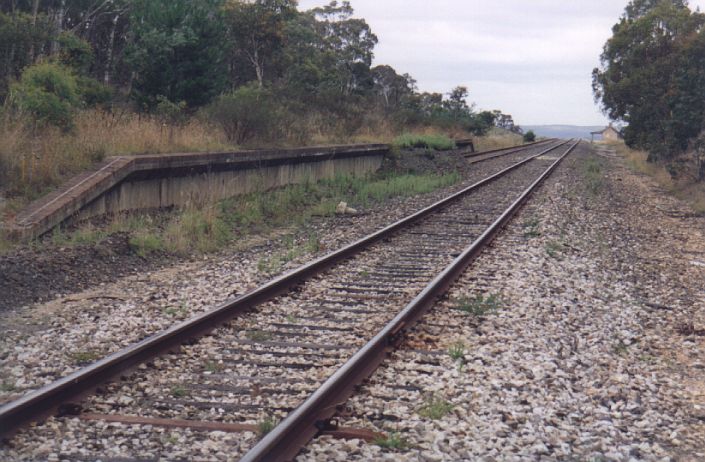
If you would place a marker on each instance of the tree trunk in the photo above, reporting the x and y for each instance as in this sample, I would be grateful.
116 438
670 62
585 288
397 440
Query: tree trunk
35 12
59 24
111 46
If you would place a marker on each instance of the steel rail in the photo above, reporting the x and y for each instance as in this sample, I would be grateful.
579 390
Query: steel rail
285 441
513 149
46 400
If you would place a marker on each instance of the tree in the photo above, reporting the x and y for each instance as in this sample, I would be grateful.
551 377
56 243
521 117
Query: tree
391 87
652 76
529 137
347 44
177 51
21 36
257 31
48 93
456 104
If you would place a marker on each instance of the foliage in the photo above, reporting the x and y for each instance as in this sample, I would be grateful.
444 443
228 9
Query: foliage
177 51
392 441
592 173
257 30
248 112
529 137
653 76
435 408
20 35
75 52
49 93
93 93
436 142
266 425
479 306
314 67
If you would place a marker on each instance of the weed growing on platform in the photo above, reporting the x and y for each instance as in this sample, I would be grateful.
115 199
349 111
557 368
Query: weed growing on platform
392 441
435 408
479 306
435 142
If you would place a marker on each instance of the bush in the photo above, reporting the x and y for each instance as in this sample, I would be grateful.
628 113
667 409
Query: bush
529 137
49 93
94 93
437 142
75 53
248 112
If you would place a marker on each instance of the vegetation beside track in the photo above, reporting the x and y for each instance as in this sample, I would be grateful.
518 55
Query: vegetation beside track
685 188
210 228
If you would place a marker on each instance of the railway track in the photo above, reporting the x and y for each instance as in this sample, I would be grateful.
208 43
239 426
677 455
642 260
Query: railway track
477 157
294 358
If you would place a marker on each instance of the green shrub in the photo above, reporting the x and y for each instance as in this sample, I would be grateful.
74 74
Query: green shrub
75 53
247 113
49 93
145 244
436 142
529 137
94 93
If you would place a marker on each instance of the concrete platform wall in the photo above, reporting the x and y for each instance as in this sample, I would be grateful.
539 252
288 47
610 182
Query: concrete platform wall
166 180
202 187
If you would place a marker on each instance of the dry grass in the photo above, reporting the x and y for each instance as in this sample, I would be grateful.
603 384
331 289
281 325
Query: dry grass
496 139
692 193
34 161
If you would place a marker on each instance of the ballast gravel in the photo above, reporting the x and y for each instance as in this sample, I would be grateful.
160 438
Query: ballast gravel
43 342
592 348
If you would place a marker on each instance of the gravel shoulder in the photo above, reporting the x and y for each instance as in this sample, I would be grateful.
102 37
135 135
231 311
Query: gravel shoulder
591 349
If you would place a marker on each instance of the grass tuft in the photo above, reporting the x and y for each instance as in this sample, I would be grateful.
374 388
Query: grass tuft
392 441
433 141
592 174
266 425
178 391
479 306
85 356
435 408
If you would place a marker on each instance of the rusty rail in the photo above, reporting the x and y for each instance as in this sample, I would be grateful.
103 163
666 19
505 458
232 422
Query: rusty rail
46 400
285 441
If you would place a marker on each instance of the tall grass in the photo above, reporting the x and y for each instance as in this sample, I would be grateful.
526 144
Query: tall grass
435 141
693 193
496 139
33 160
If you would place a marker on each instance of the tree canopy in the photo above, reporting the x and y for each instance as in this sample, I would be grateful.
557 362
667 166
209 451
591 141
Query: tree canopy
189 54
653 76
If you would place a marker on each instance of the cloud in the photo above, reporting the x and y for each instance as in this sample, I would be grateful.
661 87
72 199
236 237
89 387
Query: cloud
532 59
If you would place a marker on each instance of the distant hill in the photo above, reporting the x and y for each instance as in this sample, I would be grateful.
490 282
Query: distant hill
563 131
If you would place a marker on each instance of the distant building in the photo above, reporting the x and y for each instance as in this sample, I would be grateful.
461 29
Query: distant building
608 134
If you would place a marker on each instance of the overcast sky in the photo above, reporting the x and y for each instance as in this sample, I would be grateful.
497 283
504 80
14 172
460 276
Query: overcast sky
531 59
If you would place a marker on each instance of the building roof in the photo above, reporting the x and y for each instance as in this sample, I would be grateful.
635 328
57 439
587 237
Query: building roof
609 127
